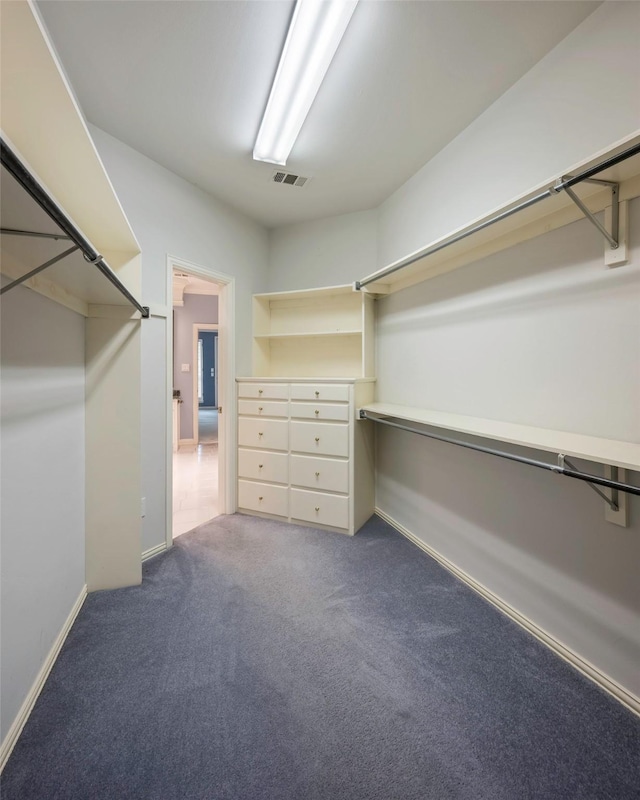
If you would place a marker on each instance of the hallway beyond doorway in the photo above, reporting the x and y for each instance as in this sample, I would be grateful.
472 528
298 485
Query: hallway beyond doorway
195 485
207 425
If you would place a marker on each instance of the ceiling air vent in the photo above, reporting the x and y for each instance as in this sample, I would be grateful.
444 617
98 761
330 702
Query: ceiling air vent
288 178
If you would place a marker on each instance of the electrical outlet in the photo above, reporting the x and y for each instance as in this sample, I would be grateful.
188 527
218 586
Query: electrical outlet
185 367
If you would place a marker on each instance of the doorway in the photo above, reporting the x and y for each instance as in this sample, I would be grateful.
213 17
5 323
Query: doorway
200 372
205 383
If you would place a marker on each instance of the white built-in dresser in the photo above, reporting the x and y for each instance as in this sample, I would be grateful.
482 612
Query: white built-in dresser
303 455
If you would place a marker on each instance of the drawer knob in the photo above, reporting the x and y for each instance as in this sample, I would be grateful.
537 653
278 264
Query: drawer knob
260 466
317 508
259 408
260 434
317 394
317 474
316 412
259 391
260 498
317 438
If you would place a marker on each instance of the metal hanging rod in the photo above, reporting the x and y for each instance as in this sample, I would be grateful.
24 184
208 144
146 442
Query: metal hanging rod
13 165
563 467
562 184
32 234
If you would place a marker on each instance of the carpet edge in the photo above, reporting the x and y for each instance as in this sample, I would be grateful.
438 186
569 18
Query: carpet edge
13 734
612 687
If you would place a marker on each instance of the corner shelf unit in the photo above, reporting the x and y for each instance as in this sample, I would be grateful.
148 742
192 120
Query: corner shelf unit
319 333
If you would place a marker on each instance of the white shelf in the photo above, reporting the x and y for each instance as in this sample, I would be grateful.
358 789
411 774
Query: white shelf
549 214
313 333
613 452
307 334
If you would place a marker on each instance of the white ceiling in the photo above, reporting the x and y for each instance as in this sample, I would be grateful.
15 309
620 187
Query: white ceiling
186 82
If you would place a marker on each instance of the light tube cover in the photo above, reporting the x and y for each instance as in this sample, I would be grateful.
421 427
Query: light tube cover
317 26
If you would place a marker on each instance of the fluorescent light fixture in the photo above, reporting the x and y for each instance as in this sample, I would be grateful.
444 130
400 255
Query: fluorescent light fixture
315 32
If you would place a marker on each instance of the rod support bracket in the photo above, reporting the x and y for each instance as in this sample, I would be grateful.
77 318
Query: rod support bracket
612 236
617 511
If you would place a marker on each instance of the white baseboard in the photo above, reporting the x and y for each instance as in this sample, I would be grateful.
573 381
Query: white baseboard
22 716
154 551
624 696
186 443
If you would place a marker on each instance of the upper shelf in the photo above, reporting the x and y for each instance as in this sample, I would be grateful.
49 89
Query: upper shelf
625 455
72 281
466 244
316 332
308 334
49 148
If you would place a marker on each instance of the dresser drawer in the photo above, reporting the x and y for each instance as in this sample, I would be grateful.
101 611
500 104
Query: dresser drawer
319 391
264 391
327 474
321 411
264 408
325 509
272 434
320 438
263 465
263 497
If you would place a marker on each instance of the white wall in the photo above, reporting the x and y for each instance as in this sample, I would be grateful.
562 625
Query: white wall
171 216
541 334
581 98
43 484
326 252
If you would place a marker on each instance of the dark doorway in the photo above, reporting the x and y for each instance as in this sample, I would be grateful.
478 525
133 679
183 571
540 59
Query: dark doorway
209 367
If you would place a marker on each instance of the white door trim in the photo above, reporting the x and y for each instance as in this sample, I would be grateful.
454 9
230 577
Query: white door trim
200 326
226 385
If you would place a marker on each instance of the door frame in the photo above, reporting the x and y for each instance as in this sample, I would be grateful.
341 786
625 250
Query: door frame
226 386
201 326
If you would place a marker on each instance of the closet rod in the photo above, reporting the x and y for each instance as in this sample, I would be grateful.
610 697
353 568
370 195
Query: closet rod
559 468
559 186
13 164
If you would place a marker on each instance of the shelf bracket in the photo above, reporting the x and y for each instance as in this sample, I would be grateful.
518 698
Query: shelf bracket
615 219
42 267
32 234
610 501
621 515
616 508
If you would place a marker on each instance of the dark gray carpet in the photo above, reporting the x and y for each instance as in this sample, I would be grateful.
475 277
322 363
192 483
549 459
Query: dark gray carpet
261 661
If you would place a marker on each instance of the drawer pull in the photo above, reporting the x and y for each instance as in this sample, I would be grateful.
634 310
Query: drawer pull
317 474
260 466
316 412
259 408
260 435
260 498
317 438
259 391
317 394
317 508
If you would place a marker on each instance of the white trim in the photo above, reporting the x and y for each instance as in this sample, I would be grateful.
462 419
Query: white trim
226 384
13 734
590 671
186 443
200 326
154 551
